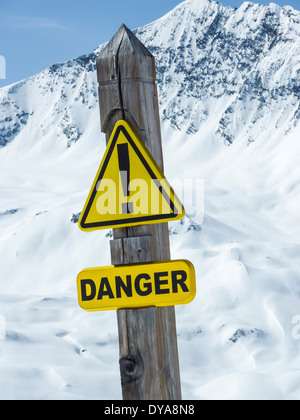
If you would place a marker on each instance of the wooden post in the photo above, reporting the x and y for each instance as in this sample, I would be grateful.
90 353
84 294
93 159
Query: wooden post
147 336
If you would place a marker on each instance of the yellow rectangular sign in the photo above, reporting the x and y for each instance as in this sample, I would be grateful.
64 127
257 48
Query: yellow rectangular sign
135 286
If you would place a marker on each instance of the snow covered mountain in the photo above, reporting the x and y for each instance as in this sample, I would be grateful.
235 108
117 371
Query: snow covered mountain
226 77
244 63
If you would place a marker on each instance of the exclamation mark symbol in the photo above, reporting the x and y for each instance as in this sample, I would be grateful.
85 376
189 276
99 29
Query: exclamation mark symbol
124 166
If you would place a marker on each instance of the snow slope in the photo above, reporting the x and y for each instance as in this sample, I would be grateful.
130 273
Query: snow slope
229 100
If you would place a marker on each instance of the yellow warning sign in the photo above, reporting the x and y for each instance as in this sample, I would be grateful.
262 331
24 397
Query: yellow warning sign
129 188
134 286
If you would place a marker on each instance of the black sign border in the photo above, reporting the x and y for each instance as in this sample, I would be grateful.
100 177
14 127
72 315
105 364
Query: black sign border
120 222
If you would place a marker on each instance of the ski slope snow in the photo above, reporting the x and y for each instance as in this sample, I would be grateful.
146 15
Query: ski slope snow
229 98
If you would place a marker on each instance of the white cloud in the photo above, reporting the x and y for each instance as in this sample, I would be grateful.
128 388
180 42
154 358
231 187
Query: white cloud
31 22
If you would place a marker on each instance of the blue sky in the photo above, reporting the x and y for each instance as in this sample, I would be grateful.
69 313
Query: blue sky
37 33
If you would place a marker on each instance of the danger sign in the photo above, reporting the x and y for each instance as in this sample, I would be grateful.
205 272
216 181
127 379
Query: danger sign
129 188
134 286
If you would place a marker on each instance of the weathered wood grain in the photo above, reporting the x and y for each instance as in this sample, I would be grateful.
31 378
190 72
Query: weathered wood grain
147 336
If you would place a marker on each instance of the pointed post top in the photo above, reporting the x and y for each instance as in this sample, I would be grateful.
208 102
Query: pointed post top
124 42
125 57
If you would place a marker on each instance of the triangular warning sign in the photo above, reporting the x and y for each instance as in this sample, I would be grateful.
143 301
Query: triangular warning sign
129 188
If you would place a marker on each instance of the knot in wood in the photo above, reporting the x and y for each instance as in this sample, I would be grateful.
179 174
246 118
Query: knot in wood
131 368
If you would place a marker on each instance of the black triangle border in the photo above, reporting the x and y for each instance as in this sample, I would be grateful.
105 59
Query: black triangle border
121 222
